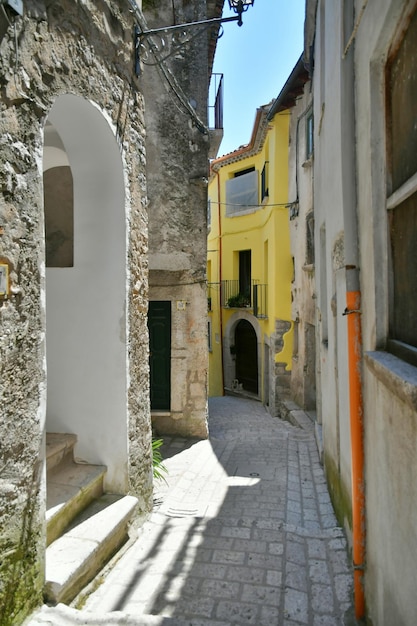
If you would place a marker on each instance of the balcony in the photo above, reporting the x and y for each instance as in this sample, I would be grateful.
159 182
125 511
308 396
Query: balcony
215 114
230 297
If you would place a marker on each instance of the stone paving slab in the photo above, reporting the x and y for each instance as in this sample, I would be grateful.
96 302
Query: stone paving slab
242 533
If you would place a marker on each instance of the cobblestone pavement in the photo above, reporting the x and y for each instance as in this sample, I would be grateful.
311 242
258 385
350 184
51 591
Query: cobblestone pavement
242 533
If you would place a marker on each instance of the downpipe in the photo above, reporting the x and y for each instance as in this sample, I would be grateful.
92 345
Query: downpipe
353 316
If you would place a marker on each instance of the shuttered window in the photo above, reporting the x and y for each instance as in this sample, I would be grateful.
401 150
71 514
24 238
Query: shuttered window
402 194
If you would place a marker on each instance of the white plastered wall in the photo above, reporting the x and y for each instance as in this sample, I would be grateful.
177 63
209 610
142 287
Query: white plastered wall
85 304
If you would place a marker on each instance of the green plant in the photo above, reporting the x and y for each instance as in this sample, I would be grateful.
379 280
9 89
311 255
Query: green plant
159 468
238 301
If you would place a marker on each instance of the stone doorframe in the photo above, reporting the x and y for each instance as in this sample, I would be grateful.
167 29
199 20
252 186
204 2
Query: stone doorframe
228 343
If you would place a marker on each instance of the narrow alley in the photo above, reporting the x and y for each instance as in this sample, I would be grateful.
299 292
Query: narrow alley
242 533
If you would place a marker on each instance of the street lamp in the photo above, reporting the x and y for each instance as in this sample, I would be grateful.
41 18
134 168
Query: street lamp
239 7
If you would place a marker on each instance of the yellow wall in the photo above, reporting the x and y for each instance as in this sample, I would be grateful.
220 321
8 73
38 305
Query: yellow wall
265 231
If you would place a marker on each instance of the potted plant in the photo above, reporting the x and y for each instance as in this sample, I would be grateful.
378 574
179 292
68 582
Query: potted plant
238 301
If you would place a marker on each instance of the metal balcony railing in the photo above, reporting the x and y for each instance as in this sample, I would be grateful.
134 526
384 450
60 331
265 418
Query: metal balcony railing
260 300
231 297
215 104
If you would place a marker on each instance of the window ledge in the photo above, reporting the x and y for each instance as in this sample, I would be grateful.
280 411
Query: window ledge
308 267
308 162
247 211
398 376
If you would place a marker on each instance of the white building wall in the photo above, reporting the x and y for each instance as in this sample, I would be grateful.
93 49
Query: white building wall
86 304
330 204
350 188
303 306
390 384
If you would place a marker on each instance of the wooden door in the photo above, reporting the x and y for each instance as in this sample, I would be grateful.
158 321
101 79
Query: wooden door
159 324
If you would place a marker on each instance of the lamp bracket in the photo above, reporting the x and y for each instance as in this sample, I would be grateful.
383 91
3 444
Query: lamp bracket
157 44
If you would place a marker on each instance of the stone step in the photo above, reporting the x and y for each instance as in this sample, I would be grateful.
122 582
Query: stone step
63 615
59 447
94 537
70 488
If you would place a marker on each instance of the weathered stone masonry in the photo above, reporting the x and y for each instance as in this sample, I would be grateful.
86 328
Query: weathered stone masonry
177 171
82 48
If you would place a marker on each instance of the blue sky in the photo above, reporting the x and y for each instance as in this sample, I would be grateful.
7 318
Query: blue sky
256 60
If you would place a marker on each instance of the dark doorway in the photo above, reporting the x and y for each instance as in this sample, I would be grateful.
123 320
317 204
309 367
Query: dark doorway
246 346
159 324
310 368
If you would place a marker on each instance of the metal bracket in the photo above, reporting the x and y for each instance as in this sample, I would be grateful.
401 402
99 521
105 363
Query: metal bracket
179 36
350 311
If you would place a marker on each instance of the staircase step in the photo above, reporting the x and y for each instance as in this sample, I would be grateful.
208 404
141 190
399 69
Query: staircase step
58 447
76 557
63 615
70 488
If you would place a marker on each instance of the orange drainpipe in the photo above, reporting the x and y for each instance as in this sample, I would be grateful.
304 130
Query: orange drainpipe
353 314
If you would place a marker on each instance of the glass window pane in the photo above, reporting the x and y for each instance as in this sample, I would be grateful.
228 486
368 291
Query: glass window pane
403 226
403 84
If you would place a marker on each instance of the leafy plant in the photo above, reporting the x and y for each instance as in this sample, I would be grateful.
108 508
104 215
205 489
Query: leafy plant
238 301
159 468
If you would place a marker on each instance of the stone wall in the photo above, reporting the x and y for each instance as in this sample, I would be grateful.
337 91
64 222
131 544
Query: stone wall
177 170
85 49
280 385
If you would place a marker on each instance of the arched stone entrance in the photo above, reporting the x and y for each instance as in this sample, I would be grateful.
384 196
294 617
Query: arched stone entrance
86 326
241 354
246 352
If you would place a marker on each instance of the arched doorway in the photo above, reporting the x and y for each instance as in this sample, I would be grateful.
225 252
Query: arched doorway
86 328
246 347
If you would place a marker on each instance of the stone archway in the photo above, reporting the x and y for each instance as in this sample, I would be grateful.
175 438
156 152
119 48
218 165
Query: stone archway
234 358
246 354
86 334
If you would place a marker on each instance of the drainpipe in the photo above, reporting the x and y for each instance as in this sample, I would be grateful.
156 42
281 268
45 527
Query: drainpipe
353 316
219 215
353 313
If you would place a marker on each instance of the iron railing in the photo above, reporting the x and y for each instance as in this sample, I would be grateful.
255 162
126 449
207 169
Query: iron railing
231 297
215 104
260 300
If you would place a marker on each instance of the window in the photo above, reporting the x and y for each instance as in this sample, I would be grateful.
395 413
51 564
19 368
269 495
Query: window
402 198
265 181
310 239
323 286
242 192
59 217
209 214
309 135
58 191
210 344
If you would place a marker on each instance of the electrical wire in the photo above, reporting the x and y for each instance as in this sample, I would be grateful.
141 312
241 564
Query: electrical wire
255 206
167 74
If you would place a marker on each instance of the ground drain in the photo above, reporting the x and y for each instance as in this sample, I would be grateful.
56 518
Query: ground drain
182 512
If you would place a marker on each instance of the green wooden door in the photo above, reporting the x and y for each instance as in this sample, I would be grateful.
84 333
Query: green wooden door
159 324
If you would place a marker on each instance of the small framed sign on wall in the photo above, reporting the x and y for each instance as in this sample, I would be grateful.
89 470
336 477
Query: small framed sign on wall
4 280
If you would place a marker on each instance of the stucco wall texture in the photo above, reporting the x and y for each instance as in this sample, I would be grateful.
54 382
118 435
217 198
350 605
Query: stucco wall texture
85 49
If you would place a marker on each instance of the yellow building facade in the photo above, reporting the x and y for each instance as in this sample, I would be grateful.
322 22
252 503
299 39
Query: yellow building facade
250 268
